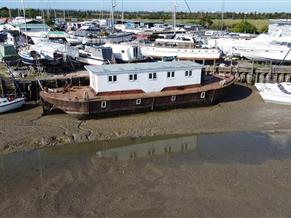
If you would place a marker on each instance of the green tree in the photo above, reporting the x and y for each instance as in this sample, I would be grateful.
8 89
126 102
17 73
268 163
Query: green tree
4 12
205 20
244 27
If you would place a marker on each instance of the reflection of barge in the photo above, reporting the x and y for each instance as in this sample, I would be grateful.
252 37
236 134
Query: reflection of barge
168 146
139 87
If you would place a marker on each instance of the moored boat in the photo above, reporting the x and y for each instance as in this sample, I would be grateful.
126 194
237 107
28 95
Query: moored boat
278 93
139 87
9 104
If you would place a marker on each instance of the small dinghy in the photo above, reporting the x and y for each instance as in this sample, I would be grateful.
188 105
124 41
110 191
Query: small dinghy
278 93
10 103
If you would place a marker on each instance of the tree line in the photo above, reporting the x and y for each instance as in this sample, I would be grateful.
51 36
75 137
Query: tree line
202 18
4 12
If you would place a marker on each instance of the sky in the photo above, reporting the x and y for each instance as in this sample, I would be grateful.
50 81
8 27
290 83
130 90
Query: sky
158 5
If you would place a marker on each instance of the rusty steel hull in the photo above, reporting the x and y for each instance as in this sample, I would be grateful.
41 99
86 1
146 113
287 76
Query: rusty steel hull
138 103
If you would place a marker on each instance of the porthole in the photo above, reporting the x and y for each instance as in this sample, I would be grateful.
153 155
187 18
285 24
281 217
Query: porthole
173 98
138 101
202 95
103 104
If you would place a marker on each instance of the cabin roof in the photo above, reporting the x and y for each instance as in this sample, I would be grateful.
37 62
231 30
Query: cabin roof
142 67
33 26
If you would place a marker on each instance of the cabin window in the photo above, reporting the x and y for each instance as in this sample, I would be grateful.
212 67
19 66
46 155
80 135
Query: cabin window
202 95
138 101
152 75
132 77
170 74
173 98
103 104
112 78
188 73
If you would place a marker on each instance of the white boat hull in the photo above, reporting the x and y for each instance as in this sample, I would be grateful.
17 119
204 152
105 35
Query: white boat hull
266 55
183 54
11 105
91 61
272 93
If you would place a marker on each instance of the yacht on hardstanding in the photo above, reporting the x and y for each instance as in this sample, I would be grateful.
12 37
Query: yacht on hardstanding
182 46
95 55
228 44
89 35
126 52
30 57
275 51
47 52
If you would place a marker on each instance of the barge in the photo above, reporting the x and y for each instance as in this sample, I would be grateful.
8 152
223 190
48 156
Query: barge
138 87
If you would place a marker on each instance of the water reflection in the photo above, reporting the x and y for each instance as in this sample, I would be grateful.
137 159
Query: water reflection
221 147
150 149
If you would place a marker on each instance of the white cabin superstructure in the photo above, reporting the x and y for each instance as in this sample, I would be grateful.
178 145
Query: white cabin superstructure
148 77
126 52
182 46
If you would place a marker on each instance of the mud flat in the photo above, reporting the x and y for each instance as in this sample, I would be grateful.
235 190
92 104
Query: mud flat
216 175
241 110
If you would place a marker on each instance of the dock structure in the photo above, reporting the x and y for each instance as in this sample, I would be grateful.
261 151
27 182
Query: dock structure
251 74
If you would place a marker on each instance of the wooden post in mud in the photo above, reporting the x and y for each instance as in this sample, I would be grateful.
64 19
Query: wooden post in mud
214 66
1 88
270 71
252 72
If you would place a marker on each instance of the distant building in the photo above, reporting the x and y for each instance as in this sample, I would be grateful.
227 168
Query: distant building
280 25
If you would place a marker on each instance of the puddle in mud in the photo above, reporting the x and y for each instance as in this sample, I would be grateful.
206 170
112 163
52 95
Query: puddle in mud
237 147
126 165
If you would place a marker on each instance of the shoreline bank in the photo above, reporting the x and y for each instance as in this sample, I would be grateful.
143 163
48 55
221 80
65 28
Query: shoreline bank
241 110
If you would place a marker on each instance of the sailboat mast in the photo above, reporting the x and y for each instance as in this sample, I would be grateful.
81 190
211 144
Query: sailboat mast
122 15
222 15
9 11
48 10
174 16
112 12
24 15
